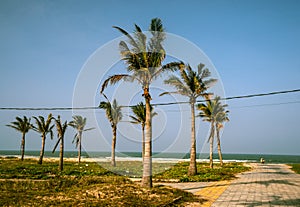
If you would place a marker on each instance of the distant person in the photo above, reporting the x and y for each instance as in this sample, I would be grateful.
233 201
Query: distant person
262 160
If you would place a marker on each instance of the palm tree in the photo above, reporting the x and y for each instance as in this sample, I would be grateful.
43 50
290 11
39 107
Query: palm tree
220 119
212 111
139 117
43 127
144 64
61 129
23 126
114 115
191 84
78 123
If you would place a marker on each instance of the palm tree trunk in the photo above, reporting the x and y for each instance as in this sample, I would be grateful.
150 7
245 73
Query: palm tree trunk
79 146
219 145
211 141
43 149
147 164
143 141
113 146
23 146
61 154
193 164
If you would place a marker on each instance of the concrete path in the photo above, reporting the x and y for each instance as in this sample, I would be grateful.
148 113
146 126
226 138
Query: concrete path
265 185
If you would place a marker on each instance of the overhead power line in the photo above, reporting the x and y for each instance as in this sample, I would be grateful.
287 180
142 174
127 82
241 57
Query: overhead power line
154 104
235 97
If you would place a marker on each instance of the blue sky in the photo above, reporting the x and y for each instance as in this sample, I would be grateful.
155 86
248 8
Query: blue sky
254 46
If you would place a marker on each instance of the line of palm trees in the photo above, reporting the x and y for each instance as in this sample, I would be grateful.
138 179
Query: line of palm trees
144 58
114 116
44 127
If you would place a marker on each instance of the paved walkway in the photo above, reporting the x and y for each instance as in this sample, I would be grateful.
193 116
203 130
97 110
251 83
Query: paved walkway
265 185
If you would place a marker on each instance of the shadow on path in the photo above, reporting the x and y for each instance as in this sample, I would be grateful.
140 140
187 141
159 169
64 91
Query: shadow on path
274 201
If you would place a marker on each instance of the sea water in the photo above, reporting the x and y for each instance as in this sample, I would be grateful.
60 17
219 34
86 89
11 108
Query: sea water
269 158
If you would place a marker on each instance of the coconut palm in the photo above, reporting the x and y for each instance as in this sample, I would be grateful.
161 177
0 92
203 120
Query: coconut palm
43 127
139 117
114 115
220 119
61 129
23 126
144 57
212 111
191 84
78 123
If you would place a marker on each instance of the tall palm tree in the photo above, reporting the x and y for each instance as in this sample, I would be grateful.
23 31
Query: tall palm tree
211 111
221 118
78 123
139 117
191 84
114 115
43 127
23 126
61 129
144 57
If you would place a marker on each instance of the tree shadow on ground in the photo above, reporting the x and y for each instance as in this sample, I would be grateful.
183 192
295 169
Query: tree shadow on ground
275 200
269 182
278 173
265 183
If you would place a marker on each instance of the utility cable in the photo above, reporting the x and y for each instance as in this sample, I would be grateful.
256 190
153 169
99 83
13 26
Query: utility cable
154 104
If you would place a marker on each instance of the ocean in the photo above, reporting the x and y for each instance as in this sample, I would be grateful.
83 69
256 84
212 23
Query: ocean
269 158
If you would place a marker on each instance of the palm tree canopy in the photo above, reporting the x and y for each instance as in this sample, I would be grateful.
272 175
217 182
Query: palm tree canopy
143 56
44 126
213 110
222 117
139 112
191 83
21 125
113 111
61 128
78 123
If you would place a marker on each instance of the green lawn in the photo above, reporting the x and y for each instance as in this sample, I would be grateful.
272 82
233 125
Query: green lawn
295 168
88 184
179 172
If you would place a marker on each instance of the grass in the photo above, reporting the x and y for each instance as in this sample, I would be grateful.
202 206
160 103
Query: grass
218 173
295 168
89 184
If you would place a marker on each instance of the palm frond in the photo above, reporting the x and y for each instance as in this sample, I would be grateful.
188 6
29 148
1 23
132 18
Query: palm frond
141 39
156 25
108 109
113 80
124 49
89 129
170 67
200 68
210 83
131 39
181 87
135 120
116 112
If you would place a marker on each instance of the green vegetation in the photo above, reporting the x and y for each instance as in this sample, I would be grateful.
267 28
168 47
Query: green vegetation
90 184
295 168
86 184
205 173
